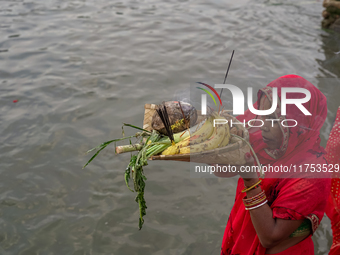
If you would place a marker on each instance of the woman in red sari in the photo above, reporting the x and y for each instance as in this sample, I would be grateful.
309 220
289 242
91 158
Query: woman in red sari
279 214
333 206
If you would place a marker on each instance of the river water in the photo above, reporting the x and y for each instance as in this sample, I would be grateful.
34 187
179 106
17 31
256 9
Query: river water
79 69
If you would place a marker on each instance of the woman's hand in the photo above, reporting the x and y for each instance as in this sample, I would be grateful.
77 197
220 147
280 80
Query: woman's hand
237 169
249 177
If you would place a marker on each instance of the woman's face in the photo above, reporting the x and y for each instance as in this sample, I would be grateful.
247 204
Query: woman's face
271 132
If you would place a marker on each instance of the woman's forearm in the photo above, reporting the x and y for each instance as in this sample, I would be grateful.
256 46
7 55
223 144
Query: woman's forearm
263 222
270 231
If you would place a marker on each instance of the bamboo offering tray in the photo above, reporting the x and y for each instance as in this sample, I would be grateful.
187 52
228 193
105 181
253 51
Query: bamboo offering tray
233 153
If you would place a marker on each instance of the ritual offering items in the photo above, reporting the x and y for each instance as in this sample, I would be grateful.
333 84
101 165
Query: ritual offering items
175 130
221 144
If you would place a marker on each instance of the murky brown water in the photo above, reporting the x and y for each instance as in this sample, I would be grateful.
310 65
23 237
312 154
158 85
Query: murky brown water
80 68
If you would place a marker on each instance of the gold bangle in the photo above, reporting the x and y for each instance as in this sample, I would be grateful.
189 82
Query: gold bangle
251 187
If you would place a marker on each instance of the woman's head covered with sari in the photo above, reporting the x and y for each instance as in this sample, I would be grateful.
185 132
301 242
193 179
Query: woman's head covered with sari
299 149
298 141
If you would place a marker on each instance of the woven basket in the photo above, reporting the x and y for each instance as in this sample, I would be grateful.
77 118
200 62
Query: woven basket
148 113
232 154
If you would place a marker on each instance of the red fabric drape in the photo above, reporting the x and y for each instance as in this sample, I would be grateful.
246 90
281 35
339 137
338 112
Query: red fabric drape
333 207
290 195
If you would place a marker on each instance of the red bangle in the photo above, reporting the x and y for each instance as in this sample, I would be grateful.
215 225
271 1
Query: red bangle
255 200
